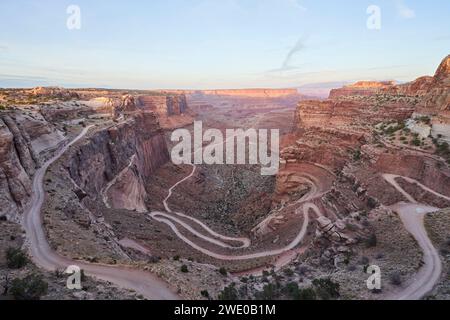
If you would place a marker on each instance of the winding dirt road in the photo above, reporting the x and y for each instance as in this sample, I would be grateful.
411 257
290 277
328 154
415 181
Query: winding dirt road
412 215
43 256
168 218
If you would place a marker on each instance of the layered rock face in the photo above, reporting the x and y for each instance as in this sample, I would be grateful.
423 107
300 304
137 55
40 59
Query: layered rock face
362 88
434 92
25 138
252 93
164 106
16 167
120 160
171 109
345 114
54 93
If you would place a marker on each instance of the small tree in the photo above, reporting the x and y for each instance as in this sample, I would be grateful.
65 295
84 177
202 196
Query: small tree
229 293
16 258
326 289
31 287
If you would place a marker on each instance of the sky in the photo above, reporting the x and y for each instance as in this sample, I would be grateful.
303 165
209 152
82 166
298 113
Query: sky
199 44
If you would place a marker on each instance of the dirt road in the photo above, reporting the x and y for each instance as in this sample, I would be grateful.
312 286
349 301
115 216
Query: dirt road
42 255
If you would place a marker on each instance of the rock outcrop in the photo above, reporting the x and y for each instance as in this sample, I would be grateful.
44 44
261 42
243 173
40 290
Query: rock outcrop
16 167
362 88
171 109
54 93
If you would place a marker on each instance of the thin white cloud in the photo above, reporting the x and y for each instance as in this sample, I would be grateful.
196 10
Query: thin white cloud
404 11
296 4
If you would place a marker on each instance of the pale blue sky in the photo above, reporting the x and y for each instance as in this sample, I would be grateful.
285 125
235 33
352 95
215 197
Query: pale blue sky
218 43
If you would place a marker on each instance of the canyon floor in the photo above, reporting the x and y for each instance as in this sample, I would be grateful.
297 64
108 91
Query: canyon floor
364 180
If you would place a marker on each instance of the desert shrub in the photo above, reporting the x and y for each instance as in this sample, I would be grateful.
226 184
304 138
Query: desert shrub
205 293
291 289
223 271
416 142
31 287
395 279
184 268
2 107
372 203
288 272
268 293
326 289
176 258
16 258
229 293
371 241
357 155
306 294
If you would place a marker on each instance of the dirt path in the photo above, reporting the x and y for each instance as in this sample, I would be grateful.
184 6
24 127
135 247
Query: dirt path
43 256
168 218
412 215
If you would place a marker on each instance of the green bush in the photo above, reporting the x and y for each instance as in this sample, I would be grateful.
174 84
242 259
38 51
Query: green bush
306 294
229 293
184 268
31 287
326 289
16 258
416 142
205 293
268 293
223 271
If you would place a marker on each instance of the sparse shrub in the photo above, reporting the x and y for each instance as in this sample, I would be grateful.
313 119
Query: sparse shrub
184 268
31 287
291 289
223 271
372 203
306 294
326 289
288 272
395 279
176 258
268 292
357 155
229 293
205 293
371 241
16 258
416 142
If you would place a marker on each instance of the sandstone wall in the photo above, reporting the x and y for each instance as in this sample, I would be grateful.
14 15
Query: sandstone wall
253 93
332 114
17 166
109 152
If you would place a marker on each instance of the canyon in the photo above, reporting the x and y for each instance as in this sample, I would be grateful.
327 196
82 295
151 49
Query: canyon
95 166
